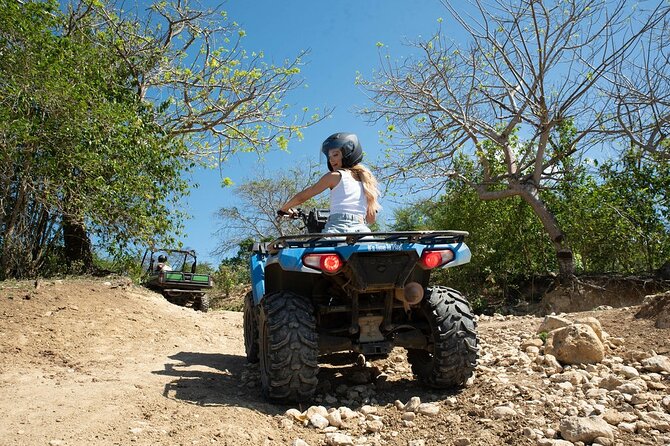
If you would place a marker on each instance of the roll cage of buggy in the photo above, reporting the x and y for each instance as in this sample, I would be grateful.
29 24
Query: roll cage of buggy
180 284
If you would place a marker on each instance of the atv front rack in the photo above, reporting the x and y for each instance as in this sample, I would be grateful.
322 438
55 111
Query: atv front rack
338 239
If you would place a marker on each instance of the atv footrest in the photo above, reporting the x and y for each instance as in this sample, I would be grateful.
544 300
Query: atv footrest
373 348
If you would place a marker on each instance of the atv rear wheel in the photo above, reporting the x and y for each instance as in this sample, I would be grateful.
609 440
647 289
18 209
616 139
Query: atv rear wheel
201 303
288 347
250 328
452 358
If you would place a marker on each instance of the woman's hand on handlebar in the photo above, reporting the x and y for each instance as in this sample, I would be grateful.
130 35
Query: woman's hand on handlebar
290 213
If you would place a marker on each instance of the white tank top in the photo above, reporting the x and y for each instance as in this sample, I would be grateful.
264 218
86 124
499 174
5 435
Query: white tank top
348 197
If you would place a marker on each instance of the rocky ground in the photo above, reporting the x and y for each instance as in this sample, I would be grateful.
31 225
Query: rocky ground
103 362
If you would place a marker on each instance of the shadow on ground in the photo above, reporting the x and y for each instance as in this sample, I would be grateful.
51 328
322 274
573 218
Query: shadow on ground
212 379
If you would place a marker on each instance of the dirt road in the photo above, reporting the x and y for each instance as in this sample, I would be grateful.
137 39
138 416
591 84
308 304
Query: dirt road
103 362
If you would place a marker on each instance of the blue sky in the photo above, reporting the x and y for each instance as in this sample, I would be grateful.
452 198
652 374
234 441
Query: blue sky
341 37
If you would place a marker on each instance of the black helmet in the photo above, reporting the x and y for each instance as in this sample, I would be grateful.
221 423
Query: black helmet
162 259
352 152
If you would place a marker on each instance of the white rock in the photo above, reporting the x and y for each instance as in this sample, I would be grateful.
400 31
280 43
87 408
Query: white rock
627 427
416 443
295 414
551 323
413 404
594 324
625 370
585 429
602 441
374 425
572 377
532 350
565 386
338 439
629 388
367 409
610 382
316 410
347 413
429 409
657 363
299 442
529 433
503 412
551 442
551 364
408 416
319 421
657 420
286 424
576 344
334 418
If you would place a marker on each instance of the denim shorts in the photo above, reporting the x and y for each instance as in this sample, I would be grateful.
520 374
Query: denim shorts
340 223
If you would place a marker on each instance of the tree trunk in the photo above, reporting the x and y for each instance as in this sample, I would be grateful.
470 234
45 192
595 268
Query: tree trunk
12 260
564 255
78 250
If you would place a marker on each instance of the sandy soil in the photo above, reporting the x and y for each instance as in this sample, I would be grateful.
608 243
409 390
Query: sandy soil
104 362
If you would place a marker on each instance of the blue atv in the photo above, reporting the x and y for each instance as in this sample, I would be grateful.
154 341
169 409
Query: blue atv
317 294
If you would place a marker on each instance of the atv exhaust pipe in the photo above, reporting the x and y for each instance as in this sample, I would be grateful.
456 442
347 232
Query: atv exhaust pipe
411 294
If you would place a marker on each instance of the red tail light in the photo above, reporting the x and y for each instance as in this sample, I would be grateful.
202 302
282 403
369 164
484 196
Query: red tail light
330 263
433 259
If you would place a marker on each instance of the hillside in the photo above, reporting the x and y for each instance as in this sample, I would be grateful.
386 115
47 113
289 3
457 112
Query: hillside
104 362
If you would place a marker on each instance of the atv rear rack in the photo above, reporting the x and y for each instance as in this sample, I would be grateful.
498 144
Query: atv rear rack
338 239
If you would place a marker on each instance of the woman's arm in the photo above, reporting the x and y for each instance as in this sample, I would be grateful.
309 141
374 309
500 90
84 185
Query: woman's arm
371 216
329 180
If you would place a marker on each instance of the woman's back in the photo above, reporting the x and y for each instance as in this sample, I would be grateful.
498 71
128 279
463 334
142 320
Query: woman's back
348 197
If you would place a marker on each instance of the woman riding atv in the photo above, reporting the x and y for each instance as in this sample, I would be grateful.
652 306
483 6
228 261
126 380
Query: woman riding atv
353 189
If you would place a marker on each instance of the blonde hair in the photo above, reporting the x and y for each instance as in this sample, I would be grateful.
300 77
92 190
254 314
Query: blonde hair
363 174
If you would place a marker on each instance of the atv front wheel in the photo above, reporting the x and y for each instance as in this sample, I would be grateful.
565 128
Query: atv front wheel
452 356
288 347
250 328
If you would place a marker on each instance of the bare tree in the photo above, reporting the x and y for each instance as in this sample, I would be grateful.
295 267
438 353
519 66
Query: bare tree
514 104
260 198
207 89
642 93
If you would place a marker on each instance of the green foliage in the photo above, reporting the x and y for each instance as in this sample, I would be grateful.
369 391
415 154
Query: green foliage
616 219
506 239
76 142
231 274
205 268
82 140
232 279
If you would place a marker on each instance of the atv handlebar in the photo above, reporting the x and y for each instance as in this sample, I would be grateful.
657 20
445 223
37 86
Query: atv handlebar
297 213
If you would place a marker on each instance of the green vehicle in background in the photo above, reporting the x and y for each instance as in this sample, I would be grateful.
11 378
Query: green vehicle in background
172 272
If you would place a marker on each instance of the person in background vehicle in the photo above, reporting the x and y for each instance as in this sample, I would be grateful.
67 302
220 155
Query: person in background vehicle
162 264
353 189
